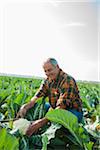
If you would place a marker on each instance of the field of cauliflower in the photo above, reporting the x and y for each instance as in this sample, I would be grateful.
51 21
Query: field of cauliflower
62 132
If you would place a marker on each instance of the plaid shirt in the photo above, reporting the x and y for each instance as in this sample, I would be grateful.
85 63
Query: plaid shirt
64 89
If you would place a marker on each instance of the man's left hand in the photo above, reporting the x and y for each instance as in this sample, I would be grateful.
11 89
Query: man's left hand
60 104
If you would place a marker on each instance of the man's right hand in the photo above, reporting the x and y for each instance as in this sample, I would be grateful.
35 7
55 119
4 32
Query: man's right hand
22 112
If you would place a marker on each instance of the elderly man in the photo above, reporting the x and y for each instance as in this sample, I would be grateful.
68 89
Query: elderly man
61 90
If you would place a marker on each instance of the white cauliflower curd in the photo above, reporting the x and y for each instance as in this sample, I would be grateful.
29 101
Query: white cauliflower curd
21 125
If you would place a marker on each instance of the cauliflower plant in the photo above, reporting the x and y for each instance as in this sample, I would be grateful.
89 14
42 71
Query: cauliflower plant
21 125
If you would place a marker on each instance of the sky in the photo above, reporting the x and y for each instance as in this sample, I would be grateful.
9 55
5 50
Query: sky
33 30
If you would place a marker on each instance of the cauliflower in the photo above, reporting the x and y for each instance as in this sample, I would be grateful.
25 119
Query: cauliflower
21 125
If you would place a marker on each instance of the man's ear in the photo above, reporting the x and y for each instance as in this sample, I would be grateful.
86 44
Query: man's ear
57 66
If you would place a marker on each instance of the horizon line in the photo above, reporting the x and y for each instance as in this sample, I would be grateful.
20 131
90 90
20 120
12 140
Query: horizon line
38 77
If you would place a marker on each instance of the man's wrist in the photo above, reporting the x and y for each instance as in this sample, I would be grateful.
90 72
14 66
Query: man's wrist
25 106
43 121
29 105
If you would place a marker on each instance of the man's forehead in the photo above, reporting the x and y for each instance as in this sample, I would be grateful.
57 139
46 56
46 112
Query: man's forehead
47 64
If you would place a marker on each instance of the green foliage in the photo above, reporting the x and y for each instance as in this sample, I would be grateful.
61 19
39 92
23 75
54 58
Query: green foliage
49 134
15 91
69 121
8 141
66 118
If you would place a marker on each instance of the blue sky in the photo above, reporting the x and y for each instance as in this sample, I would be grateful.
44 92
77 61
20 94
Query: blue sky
32 31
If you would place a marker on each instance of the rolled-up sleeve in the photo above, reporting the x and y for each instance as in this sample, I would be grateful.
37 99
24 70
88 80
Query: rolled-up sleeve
43 90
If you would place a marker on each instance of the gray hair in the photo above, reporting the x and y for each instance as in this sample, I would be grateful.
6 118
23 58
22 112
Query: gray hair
53 61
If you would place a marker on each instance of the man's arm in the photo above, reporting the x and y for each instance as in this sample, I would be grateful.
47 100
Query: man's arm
35 125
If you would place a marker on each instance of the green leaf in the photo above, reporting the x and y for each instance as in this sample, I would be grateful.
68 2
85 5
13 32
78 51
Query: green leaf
88 146
69 121
66 118
45 142
8 141
19 99
87 104
2 137
49 134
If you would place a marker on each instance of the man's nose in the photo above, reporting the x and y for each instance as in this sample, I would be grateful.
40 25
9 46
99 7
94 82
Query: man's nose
47 73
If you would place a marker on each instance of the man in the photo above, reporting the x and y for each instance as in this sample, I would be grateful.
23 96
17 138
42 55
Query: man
61 90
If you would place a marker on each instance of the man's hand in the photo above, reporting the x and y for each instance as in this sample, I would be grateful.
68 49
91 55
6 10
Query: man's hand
25 108
35 125
22 112
60 104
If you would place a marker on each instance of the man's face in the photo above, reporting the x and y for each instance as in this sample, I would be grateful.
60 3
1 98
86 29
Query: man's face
51 71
